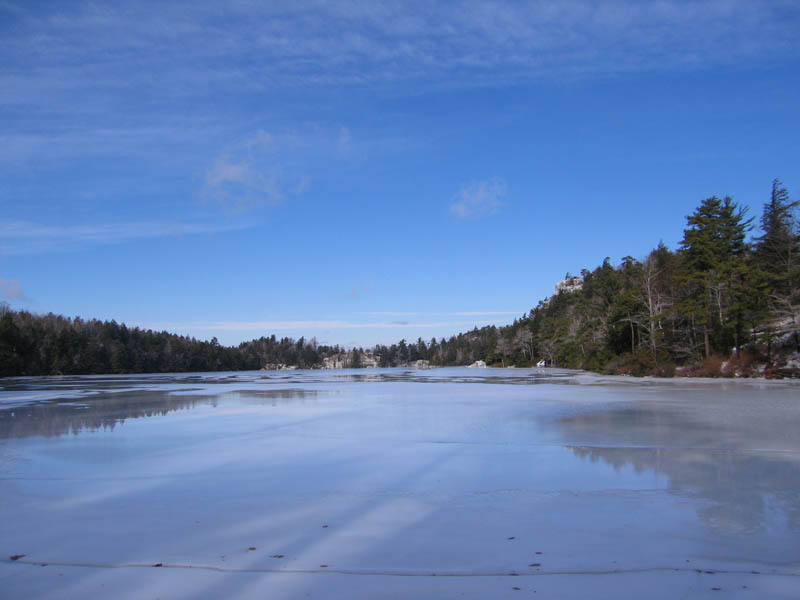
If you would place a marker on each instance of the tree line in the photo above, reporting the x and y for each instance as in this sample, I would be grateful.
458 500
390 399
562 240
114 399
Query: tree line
722 303
51 344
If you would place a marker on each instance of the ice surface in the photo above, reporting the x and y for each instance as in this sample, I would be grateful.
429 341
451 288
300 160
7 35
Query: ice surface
397 483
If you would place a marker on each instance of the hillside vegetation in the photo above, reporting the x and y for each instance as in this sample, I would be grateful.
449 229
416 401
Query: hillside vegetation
719 305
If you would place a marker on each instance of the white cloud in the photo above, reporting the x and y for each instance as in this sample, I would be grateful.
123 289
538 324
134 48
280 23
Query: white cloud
360 289
345 139
301 186
11 289
478 199
169 48
469 313
303 325
369 332
224 172
167 80
25 237
247 175
265 168
241 186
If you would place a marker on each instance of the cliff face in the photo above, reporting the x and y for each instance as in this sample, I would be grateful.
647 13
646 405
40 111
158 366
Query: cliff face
347 360
570 284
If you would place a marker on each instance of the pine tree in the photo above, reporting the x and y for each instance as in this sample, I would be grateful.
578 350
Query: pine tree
10 340
355 358
713 250
778 248
778 261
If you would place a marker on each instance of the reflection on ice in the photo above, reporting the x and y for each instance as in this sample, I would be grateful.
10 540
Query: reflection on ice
104 410
414 473
745 492
738 452
96 412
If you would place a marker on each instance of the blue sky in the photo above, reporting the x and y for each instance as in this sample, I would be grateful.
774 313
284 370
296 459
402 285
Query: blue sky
364 172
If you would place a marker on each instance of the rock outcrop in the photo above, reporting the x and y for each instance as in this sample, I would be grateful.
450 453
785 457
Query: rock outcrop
569 285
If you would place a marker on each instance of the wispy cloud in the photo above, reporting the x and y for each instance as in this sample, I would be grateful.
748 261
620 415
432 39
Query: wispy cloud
469 313
240 185
266 168
478 199
345 141
69 135
247 175
11 289
382 330
170 80
25 237
303 325
360 289
407 320
170 48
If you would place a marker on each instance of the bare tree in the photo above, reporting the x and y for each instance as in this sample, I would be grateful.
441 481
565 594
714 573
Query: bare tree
787 310
524 341
656 298
548 348
504 347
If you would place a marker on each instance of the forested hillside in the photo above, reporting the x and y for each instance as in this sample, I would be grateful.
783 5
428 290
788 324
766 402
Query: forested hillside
726 302
55 345
720 304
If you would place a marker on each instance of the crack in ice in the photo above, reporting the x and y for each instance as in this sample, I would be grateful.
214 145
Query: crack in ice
407 573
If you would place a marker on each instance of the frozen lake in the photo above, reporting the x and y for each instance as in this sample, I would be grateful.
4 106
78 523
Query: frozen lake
448 483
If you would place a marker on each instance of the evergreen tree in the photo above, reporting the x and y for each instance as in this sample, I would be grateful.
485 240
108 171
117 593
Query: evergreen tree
778 248
778 263
355 358
10 341
713 250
